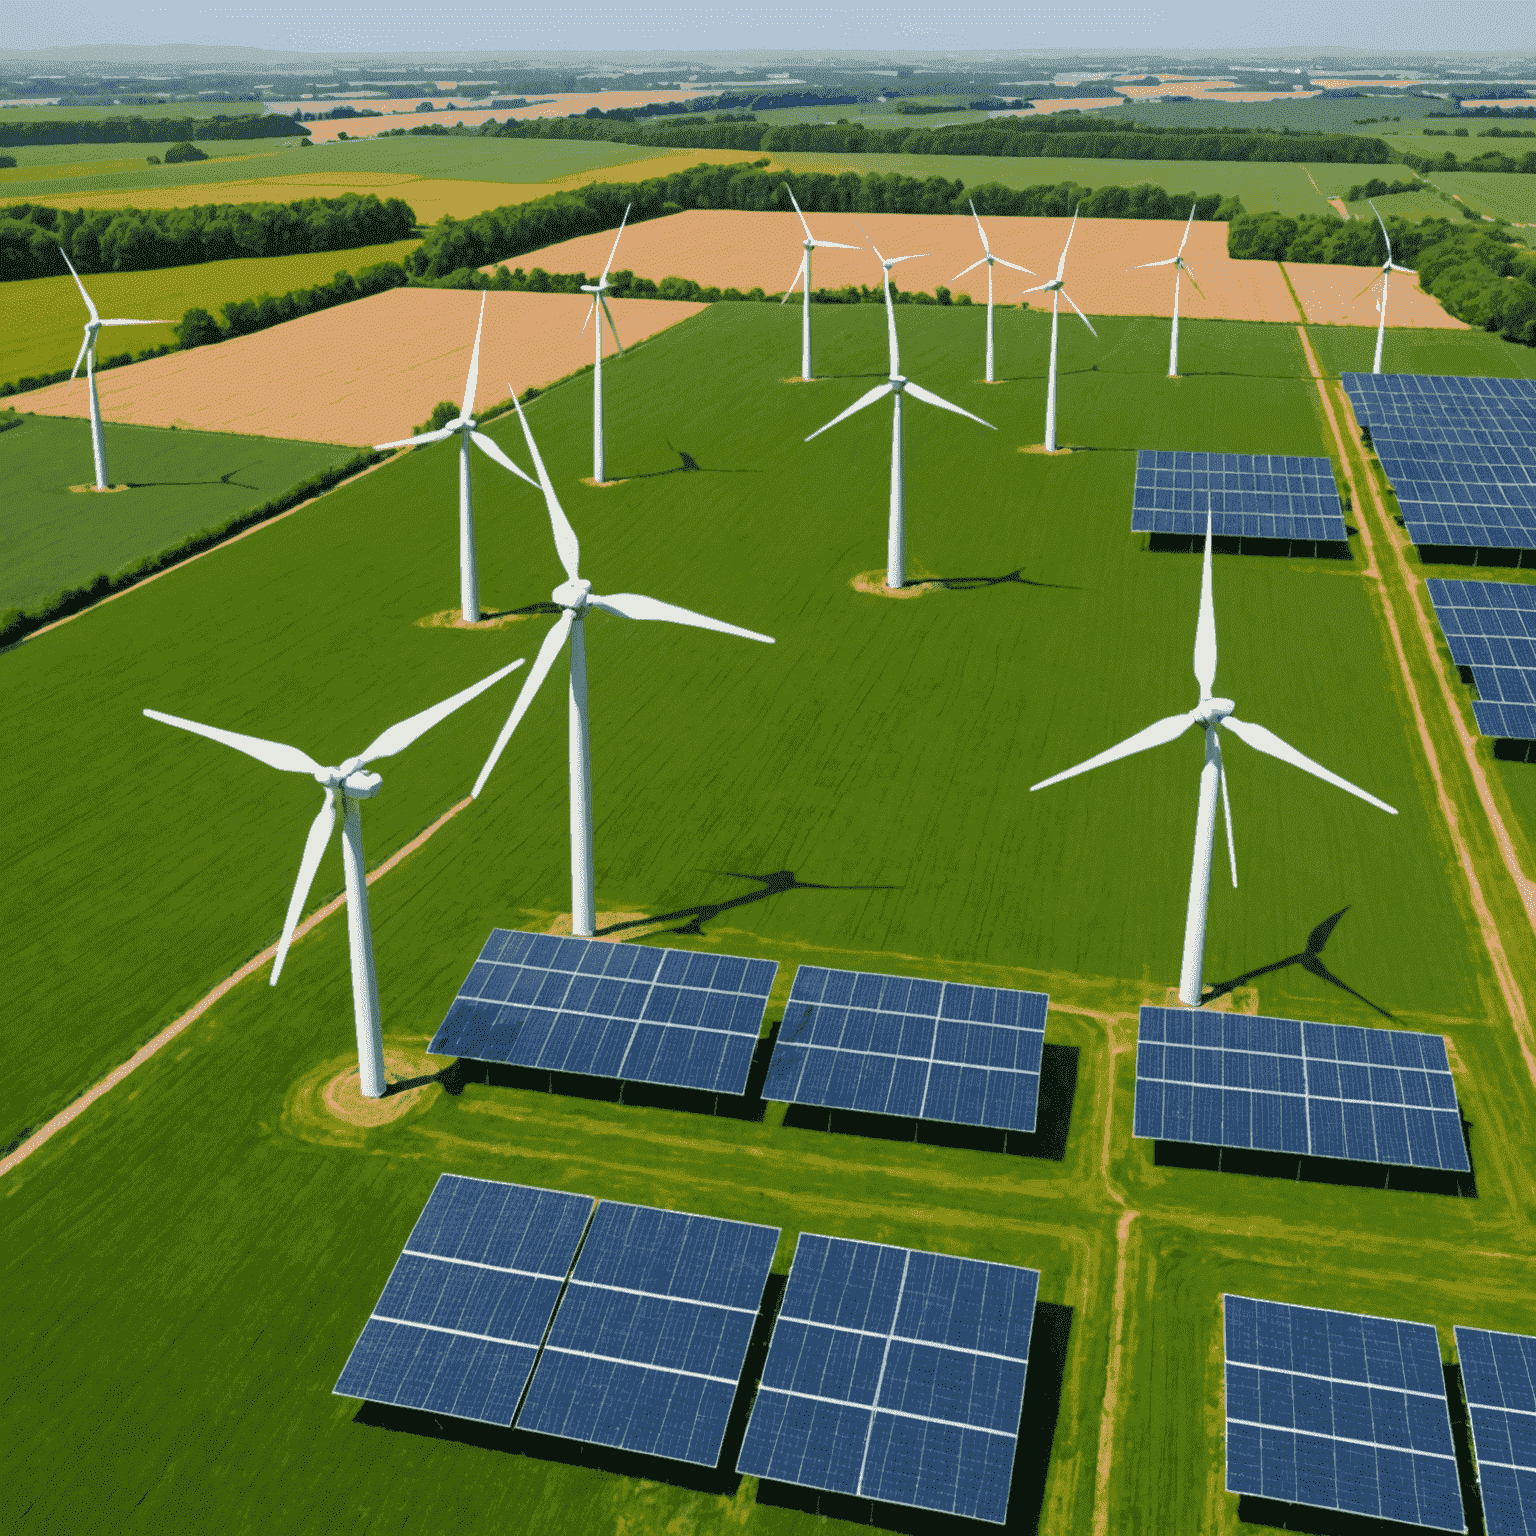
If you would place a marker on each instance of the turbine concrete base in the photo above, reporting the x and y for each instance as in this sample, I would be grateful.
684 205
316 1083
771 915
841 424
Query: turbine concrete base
872 584
1238 1000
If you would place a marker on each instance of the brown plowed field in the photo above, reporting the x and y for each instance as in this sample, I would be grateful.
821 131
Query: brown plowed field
727 249
362 373
1331 296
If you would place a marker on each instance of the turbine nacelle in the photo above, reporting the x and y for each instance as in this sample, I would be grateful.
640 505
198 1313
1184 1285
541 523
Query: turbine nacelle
601 287
1213 711
571 594
898 382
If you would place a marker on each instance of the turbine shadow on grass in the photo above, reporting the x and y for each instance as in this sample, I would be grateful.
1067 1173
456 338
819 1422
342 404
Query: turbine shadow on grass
1254 1510
721 1479
1031 1456
976 583
774 884
451 1079
1058 1087
689 465
1309 959
229 479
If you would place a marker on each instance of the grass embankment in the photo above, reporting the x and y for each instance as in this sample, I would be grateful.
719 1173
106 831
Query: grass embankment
179 482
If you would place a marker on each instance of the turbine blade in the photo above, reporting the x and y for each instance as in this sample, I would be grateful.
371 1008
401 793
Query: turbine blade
1370 285
1226 805
1182 243
919 256
492 450
135 322
1411 271
1384 235
398 737
1038 288
803 225
833 245
867 241
588 319
799 273
933 399
611 326
420 440
78 284
558 633
80 358
1205 627
1155 735
1143 265
1080 315
1263 740
1016 267
631 605
474 365
1061 266
275 754
858 405
980 261
890 325
615 251
320 830
1191 276
566 544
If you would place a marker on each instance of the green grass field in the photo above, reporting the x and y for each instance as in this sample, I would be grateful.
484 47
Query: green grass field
1406 205
157 110
1506 195
29 157
180 482
48 313
189 1263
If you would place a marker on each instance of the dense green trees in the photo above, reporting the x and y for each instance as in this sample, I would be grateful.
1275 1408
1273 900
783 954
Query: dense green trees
178 153
148 130
139 239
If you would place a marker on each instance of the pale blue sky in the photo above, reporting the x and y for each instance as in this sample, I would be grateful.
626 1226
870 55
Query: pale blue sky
352 25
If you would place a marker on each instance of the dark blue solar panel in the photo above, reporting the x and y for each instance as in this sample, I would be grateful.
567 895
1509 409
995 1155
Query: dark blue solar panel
1285 1085
897 1375
647 1349
610 1010
1446 410
1266 496
1490 626
1498 1375
1339 1410
458 1326
897 1045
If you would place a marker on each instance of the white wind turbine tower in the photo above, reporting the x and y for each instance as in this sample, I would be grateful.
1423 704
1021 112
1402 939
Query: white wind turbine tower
990 260
352 784
1388 267
464 425
597 290
1057 293
1211 713
805 272
1180 267
575 597
87 354
896 387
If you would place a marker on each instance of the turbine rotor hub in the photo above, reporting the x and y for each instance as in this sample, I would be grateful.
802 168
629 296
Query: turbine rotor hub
571 594
1214 711
898 382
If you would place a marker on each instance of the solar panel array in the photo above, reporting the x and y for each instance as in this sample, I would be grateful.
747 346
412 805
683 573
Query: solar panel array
1266 496
1498 1375
896 1045
1340 1411
458 1327
895 1375
610 1010
1490 627
1288 1085
647 1348
1460 453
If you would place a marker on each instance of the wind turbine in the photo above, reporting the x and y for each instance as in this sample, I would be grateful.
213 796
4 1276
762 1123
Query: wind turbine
990 259
1057 293
464 425
1180 267
575 597
597 290
896 387
352 784
1211 713
805 272
87 354
1388 267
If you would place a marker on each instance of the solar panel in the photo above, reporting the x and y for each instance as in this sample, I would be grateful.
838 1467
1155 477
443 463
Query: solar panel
1498 1375
898 1045
1288 1085
1446 409
1490 626
458 1326
647 1350
610 1010
896 1375
1265 496
1339 1410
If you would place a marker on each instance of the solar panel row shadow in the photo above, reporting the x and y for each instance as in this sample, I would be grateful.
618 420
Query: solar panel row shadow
1339 1410
897 1375
1289 1085
459 1324
1268 496
647 1348
1498 1376
1490 627
897 1045
610 1010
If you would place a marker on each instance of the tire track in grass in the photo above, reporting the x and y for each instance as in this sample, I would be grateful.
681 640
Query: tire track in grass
1492 939
158 1043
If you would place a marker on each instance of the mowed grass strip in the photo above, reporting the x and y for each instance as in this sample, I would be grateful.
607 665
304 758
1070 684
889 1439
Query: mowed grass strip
881 749
48 317
1504 194
177 483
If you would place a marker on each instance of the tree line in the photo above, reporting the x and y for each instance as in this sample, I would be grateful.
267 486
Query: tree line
147 130
502 233
141 239
1489 160
1479 275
